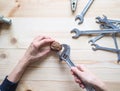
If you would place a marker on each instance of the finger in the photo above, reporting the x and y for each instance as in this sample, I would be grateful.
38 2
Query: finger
82 85
72 73
39 38
77 80
76 71
44 41
82 67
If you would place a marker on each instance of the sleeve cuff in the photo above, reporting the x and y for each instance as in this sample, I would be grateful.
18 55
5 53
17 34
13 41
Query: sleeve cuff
8 85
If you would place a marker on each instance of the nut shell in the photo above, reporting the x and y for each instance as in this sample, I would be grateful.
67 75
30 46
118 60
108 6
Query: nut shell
55 46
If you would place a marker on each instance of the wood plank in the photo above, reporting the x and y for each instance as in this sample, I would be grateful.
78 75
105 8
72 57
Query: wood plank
23 30
57 8
45 70
58 86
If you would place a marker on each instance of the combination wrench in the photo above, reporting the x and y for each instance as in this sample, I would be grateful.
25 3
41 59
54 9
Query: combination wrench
80 17
93 40
65 56
97 47
106 25
87 32
111 25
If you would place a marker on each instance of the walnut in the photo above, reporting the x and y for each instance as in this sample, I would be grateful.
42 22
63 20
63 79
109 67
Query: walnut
55 46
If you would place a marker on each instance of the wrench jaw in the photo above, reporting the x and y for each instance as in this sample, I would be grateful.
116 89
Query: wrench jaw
76 31
80 18
94 48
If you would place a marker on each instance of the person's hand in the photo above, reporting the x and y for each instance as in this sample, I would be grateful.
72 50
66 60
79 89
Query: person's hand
83 75
38 48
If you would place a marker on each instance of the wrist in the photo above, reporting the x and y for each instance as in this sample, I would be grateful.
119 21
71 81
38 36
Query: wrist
99 85
24 61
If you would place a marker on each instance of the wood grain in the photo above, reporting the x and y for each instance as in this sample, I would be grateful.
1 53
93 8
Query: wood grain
54 18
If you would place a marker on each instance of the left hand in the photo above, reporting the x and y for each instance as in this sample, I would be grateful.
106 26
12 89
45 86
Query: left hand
36 50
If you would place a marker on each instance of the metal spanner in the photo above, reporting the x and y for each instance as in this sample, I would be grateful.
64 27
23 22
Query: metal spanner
65 56
80 17
73 5
105 24
93 40
87 32
109 24
97 47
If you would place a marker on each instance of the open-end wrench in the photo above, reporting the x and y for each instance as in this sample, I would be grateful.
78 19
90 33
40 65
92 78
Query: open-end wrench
87 32
106 23
80 17
115 40
93 40
65 56
97 47
116 45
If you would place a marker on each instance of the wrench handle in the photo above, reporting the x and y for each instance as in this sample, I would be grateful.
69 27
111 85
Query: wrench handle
87 7
70 63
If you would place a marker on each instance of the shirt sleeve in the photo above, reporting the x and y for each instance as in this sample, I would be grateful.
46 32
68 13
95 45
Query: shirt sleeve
8 85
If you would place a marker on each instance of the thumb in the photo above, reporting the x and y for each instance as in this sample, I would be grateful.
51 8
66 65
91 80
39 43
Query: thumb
76 71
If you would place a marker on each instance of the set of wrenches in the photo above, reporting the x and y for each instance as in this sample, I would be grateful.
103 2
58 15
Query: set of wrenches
107 27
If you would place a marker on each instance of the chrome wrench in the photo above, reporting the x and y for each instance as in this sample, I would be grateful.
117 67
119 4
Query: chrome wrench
87 32
93 40
80 17
65 56
97 47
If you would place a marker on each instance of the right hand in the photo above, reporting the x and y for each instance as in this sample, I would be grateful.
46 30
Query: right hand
85 76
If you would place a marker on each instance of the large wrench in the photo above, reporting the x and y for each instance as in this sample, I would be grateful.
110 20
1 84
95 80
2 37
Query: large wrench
80 17
87 32
65 56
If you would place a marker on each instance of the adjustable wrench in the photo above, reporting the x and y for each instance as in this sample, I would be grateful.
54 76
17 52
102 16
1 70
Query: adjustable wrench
65 56
97 47
80 17
87 32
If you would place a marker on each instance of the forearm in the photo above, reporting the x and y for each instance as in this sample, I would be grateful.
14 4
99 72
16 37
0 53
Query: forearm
99 85
18 71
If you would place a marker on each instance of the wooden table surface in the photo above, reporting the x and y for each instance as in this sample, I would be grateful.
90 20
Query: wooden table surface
55 19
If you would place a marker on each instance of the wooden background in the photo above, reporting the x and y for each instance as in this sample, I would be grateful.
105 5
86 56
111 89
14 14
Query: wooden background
55 19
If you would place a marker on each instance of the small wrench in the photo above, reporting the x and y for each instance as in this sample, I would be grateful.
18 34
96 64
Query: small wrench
81 16
87 32
97 47
65 56
93 40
